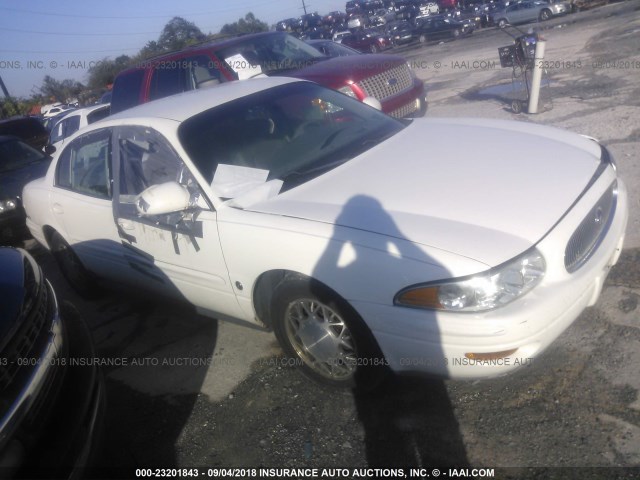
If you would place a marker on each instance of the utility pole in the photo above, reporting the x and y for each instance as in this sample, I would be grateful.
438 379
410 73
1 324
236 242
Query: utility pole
304 6
4 89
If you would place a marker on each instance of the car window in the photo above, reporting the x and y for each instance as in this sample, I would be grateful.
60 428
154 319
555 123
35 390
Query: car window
146 159
167 79
126 90
268 53
85 165
98 114
203 72
57 133
72 125
16 154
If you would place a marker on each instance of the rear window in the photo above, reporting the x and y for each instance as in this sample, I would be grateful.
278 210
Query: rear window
98 114
126 90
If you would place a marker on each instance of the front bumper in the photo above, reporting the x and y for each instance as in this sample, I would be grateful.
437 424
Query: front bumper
410 103
438 342
63 441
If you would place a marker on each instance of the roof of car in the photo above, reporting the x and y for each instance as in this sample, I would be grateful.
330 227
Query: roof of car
217 43
185 105
87 110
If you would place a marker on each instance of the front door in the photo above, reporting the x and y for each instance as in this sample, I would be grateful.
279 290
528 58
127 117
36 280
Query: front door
178 253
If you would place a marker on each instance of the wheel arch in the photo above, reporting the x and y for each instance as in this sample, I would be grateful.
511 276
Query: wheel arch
267 284
48 231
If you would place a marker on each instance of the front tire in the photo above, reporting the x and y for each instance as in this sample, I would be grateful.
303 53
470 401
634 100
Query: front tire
373 49
74 272
325 333
502 23
545 15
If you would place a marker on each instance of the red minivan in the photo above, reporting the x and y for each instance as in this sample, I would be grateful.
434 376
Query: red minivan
387 78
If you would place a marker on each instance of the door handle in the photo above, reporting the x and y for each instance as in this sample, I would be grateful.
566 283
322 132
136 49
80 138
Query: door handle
126 225
57 208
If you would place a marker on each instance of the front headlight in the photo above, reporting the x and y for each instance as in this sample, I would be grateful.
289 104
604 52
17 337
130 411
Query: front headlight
412 72
347 90
485 291
8 205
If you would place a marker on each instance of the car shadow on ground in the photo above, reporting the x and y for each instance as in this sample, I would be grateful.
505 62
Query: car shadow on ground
155 353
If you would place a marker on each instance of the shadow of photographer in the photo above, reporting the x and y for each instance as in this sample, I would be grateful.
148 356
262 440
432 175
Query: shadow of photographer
408 421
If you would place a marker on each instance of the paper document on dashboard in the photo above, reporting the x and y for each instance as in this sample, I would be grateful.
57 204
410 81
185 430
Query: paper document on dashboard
243 67
230 181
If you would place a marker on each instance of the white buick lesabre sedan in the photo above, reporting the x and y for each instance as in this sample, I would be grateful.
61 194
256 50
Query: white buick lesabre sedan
363 241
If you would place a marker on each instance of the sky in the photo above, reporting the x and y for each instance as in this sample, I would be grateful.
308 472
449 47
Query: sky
64 39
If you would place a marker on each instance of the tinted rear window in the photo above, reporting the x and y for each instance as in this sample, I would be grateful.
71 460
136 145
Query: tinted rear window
98 115
126 90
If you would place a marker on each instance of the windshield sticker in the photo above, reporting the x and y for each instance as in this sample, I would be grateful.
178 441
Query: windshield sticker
243 67
230 181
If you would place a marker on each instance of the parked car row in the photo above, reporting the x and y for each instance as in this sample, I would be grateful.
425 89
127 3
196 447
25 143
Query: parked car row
385 81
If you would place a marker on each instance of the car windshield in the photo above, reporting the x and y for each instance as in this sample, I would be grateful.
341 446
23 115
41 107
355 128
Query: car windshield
291 133
276 52
14 154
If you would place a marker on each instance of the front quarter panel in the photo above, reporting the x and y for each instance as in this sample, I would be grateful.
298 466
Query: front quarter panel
359 266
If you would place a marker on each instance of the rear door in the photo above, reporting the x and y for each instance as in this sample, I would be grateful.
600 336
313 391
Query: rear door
81 202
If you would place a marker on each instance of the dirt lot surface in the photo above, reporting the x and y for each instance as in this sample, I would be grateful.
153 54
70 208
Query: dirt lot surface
205 393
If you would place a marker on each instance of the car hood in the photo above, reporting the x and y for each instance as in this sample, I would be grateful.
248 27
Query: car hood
12 182
339 71
484 189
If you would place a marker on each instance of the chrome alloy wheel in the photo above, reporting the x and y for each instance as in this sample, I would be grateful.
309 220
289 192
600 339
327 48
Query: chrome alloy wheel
321 338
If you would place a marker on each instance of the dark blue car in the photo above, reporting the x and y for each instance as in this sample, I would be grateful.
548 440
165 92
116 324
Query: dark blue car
19 164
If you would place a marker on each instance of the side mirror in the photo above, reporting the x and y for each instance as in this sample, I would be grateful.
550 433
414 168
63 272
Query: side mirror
163 198
49 149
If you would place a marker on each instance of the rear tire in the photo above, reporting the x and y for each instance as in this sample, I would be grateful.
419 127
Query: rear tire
74 272
545 15
517 106
325 333
502 23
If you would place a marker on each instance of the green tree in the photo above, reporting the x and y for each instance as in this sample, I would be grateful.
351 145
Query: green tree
104 71
60 91
178 33
248 24
11 106
151 49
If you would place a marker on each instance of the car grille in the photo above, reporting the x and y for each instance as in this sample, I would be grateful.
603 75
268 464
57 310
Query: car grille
388 83
405 110
22 353
587 237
